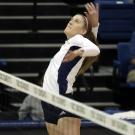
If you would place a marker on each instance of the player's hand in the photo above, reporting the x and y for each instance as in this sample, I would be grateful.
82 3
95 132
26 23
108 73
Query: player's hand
72 55
92 13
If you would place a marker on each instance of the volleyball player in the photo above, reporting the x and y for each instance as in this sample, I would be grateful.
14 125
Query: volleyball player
75 56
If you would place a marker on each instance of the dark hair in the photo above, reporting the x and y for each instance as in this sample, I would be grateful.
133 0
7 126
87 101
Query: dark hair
88 61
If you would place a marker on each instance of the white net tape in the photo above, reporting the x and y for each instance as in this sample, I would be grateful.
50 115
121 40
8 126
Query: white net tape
72 106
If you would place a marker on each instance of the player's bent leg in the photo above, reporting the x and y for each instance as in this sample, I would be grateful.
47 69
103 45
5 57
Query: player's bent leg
69 126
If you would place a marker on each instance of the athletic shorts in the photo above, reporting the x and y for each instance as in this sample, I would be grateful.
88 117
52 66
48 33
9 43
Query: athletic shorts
52 114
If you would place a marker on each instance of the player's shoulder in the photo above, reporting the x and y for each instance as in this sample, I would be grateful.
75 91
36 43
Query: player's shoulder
78 39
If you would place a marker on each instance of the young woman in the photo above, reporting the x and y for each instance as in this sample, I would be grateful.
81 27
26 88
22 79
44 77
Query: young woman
74 58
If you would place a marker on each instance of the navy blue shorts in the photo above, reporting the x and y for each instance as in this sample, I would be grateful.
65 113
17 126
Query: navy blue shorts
52 113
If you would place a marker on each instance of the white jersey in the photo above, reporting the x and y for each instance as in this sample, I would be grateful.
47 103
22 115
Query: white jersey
60 76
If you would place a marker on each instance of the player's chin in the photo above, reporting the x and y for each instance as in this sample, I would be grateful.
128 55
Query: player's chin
66 31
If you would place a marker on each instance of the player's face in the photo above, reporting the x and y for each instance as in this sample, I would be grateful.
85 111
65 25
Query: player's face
75 26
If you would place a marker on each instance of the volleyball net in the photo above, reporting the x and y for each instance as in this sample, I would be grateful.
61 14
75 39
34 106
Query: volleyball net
77 108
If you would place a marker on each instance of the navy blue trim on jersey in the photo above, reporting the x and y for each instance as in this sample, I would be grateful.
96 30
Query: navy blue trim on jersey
64 70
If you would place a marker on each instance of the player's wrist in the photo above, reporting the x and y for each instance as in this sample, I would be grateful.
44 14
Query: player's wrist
80 52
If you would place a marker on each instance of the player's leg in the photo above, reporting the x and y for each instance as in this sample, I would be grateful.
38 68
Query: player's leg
51 114
69 126
52 129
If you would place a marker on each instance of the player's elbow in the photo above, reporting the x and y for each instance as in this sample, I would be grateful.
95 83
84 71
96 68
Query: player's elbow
97 52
